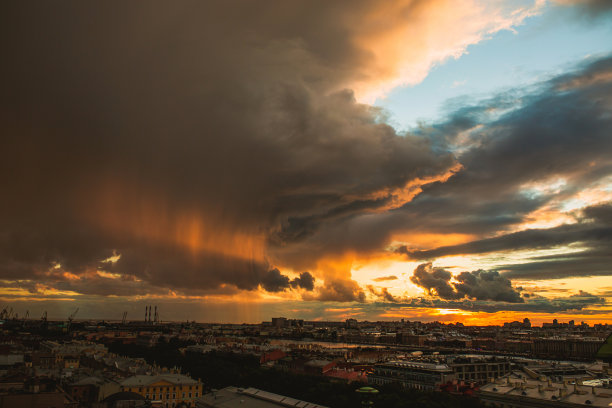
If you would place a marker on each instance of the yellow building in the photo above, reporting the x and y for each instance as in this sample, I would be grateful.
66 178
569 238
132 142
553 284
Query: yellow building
165 390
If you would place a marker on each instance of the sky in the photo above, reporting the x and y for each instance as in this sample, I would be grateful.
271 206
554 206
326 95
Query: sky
235 161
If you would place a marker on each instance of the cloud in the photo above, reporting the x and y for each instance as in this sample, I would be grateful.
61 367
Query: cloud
527 239
538 304
592 7
487 285
274 281
593 232
478 285
489 194
339 291
214 146
304 281
435 280
504 194
385 278
196 139
382 294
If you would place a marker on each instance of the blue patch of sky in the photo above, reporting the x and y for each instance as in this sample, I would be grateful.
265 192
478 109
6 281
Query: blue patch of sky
554 42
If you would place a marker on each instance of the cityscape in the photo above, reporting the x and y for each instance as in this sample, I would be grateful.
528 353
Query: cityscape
150 363
306 204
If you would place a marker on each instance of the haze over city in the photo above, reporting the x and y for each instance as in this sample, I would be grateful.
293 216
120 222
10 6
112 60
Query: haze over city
231 162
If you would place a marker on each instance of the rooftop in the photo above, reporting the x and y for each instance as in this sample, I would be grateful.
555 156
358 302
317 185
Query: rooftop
231 397
545 390
140 380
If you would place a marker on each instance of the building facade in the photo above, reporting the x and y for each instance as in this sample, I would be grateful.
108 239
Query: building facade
417 375
167 390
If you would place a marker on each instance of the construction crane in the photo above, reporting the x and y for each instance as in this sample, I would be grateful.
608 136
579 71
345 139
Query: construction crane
43 320
71 318
25 319
4 313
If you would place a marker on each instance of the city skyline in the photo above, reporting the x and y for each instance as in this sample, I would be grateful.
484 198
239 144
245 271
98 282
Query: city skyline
422 160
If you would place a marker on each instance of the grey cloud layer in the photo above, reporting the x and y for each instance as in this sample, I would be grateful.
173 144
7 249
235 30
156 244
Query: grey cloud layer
580 302
593 232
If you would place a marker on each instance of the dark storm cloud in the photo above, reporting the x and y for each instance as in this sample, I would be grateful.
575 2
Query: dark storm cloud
487 285
275 281
116 120
600 214
435 280
304 281
478 285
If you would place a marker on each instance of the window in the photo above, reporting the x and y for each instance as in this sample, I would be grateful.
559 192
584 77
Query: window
196 395
183 395
174 395
189 395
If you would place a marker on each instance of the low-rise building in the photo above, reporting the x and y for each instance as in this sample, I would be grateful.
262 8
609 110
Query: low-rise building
91 389
418 375
522 391
479 369
169 390
570 347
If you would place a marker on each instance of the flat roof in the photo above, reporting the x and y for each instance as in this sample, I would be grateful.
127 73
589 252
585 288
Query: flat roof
553 391
231 397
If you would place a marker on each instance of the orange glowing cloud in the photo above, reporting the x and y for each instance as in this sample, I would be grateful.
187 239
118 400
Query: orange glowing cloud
404 39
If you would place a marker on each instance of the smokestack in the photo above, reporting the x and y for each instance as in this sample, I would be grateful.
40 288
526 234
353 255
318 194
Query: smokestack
146 310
